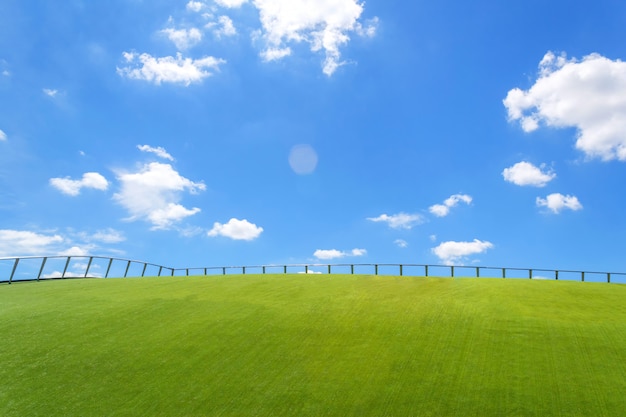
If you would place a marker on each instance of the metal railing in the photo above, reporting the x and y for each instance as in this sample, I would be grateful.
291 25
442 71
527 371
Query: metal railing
36 268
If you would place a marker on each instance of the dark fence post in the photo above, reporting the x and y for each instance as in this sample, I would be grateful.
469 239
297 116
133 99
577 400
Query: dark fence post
43 263
503 272
67 264
608 277
530 274
143 272
452 271
127 268
352 269
88 266
425 270
109 268
17 261
556 275
328 269
582 276
477 272
375 269
400 269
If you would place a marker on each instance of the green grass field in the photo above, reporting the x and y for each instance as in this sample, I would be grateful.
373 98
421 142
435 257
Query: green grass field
322 345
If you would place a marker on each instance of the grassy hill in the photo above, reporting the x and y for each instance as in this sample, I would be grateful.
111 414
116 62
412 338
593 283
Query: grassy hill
323 345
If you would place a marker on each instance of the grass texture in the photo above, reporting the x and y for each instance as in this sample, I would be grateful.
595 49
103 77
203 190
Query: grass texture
323 345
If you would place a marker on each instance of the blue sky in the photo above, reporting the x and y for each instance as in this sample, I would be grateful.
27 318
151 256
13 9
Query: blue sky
234 132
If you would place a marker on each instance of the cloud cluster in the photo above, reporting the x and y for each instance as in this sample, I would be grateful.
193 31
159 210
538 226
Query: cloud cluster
73 187
168 69
153 194
589 95
325 25
236 229
328 254
452 252
183 38
3 136
442 210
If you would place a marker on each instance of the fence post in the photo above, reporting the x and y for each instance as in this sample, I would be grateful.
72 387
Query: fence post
43 263
160 270
127 268
243 269
66 265
582 276
109 268
503 272
608 277
556 275
352 269
400 269
530 274
477 272
17 261
263 270
285 269
426 270
375 269
89 266
306 269
328 269
143 271
452 271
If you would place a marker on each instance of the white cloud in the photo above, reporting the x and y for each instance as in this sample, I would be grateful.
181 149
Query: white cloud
524 173
25 243
169 69
236 229
442 210
183 38
3 136
158 151
328 254
109 236
589 95
401 243
50 92
451 252
324 24
72 187
195 6
400 220
231 4
152 194
557 202
225 27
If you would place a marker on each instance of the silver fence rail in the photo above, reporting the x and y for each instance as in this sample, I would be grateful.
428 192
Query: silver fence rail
36 268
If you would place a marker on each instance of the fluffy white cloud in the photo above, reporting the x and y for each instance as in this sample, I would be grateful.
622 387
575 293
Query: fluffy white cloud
557 202
223 27
236 229
168 69
324 24
152 194
195 6
72 187
25 243
442 210
158 151
451 252
589 95
400 220
524 173
183 38
3 136
327 254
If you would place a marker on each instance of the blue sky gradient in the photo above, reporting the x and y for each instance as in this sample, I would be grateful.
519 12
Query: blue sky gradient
234 132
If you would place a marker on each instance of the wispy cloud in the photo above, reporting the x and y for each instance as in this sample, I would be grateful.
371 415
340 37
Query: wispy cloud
3 136
158 151
168 69
328 254
524 173
400 220
50 92
589 95
72 187
558 202
442 210
183 38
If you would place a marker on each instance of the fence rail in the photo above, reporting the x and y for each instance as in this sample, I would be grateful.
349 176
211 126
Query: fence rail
36 268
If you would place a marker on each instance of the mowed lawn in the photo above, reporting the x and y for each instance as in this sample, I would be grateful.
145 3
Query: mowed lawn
312 345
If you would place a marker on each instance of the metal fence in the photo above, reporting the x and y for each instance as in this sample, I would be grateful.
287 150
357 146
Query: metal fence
36 268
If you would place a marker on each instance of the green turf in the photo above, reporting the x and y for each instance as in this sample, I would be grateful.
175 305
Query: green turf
296 345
